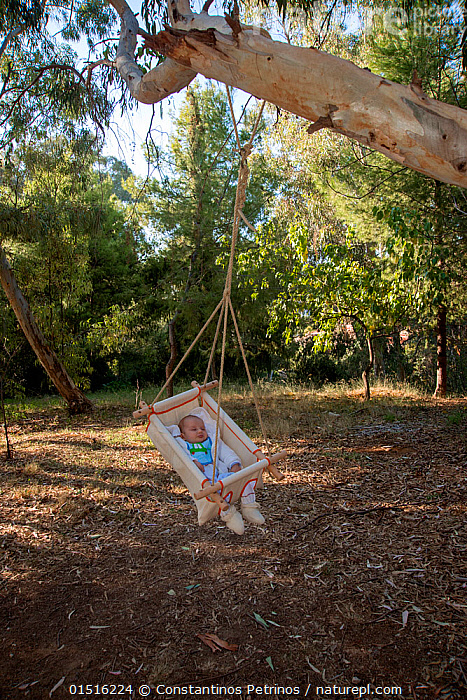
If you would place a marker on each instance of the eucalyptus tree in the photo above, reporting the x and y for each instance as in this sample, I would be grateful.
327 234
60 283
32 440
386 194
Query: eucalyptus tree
402 122
42 94
316 290
431 250
73 255
42 224
43 91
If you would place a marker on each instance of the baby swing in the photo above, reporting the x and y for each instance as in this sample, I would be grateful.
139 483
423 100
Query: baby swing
164 416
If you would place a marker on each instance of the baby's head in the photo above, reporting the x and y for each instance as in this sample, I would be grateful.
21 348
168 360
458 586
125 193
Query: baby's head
192 429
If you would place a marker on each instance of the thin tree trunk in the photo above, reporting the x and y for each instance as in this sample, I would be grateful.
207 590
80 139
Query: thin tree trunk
368 368
214 375
173 356
441 343
399 350
76 400
380 370
441 354
5 426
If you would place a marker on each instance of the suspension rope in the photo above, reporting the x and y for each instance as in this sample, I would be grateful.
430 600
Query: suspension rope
225 304
250 381
189 349
240 198
219 395
233 117
214 343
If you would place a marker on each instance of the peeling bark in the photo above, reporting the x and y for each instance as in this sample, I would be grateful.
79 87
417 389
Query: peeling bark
396 120
149 88
76 400
400 121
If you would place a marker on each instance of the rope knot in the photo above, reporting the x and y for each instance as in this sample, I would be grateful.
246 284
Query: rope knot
245 151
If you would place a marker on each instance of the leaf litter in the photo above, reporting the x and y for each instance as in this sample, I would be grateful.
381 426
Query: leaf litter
362 556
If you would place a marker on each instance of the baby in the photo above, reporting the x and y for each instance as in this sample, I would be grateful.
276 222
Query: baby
200 447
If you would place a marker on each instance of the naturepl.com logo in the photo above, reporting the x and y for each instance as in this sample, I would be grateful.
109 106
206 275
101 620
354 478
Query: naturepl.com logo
358 691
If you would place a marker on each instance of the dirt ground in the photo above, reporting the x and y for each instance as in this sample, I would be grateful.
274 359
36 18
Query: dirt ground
357 579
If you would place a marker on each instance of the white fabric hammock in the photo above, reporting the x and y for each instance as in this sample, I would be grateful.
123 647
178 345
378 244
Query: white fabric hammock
168 413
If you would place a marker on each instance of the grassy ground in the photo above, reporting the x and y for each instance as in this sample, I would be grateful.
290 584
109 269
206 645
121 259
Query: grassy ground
358 576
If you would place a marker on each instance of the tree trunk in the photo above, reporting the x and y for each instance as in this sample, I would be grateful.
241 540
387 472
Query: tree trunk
380 370
5 425
368 368
400 355
441 354
76 400
400 121
173 356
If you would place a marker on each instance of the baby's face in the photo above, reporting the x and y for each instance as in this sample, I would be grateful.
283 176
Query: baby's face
194 430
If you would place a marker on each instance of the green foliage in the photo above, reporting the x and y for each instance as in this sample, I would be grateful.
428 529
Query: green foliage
75 258
14 12
92 18
427 256
38 68
424 245
104 296
319 298
426 40
342 283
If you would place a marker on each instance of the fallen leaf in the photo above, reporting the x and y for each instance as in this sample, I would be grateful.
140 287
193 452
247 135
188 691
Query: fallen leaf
313 668
215 643
57 685
205 639
260 620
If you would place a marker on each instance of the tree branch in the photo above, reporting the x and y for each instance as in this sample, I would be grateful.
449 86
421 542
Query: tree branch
414 130
90 67
167 78
40 73
11 35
